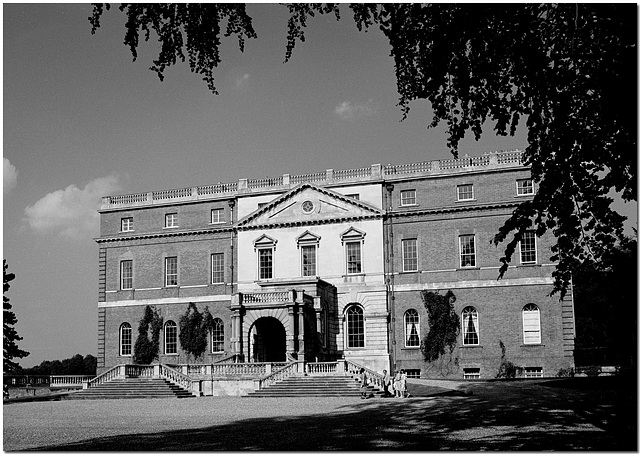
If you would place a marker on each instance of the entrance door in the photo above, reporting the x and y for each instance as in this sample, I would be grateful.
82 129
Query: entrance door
267 341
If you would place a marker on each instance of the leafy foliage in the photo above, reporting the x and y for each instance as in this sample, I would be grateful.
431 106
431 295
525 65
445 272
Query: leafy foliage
76 365
444 325
199 24
194 328
146 349
606 309
562 69
9 333
507 368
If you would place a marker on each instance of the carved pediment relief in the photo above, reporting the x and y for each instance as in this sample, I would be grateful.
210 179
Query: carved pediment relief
308 204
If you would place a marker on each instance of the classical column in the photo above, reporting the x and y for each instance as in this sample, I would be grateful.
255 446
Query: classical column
291 348
301 332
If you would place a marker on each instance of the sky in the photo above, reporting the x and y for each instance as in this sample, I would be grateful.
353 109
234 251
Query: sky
82 121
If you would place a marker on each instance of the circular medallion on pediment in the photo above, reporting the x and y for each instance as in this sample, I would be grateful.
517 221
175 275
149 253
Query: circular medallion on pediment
307 207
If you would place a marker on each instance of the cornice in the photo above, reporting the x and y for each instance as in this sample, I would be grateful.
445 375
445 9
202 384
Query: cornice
147 236
310 222
454 209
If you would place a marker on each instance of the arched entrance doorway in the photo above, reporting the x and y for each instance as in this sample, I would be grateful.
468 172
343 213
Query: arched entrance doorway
267 341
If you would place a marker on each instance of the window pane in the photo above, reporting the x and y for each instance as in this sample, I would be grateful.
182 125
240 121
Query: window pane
217 268
308 260
467 250
410 255
531 324
217 336
354 261
465 192
171 220
355 327
524 186
126 274
265 263
411 328
126 224
170 338
470 326
125 339
217 215
528 247
408 197
171 270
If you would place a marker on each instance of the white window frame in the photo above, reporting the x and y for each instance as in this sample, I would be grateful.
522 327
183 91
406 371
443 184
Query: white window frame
521 188
533 372
122 343
471 373
217 216
217 322
470 312
171 220
405 259
347 332
406 195
415 324
467 254
534 250
174 326
167 274
304 247
122 276
261 250
531 326
215 270
460 193
347 261
126 224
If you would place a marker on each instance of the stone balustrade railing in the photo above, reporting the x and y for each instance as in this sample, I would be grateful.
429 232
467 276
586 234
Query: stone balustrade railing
372 173
68 381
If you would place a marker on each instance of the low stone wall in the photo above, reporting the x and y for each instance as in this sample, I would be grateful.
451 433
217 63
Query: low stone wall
227 386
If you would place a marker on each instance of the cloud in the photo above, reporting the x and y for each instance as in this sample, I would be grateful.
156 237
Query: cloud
71 212
242 79
351 111
9 177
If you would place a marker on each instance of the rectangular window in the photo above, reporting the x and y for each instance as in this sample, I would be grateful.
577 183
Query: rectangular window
170 271
265 263
354 259
524 186
171 220
528 247
533 372
410 255
412 373
217 216
126 275
217 268
465 192
126 225
467 251
471 373
308 260
407 197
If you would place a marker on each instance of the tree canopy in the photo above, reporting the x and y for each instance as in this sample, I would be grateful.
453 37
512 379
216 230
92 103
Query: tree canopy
9 334
568 71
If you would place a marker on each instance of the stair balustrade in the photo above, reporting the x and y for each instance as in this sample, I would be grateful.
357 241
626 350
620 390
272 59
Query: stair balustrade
178 378
280 374
104 377
68 381
374 378
325 368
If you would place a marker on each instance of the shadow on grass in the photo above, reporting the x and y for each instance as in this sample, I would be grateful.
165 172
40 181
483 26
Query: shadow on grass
497 416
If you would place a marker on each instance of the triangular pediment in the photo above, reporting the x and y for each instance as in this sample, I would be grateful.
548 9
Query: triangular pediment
264 241
309 204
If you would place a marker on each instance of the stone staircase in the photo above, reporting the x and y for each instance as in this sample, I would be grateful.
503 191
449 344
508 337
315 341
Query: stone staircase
314 386
132 388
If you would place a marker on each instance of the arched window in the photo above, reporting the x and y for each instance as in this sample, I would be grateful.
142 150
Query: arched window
217 336
125 339
531 324
411 328
470 328
355 326
170 338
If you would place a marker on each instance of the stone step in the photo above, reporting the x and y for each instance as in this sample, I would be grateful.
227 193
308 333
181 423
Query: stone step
313 386
132 388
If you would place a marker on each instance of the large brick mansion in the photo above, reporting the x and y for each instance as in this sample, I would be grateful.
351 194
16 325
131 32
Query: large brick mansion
333 264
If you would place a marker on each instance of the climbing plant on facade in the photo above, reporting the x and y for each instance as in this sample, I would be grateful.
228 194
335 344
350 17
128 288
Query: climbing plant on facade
194 328
444 325
147 346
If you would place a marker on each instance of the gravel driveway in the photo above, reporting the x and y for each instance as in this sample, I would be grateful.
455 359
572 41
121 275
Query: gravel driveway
558 415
